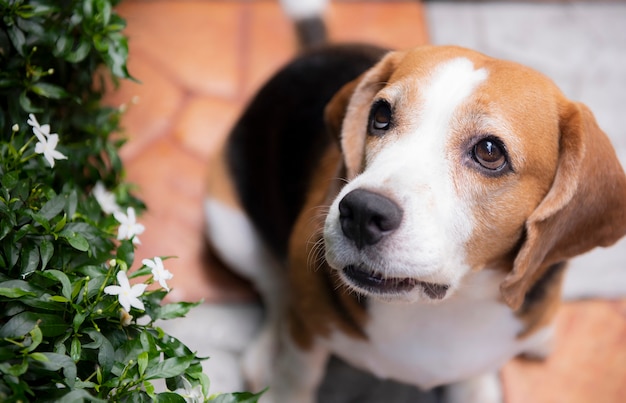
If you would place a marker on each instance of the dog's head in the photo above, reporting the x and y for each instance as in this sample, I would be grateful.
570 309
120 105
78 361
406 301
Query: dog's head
457 162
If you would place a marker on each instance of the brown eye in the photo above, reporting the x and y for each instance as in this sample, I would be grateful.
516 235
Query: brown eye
380 118
490 154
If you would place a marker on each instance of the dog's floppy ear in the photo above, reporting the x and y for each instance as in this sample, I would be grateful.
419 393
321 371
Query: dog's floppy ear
584 208
347 112
336 109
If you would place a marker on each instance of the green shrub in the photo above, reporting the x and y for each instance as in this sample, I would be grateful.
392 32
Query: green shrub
68 317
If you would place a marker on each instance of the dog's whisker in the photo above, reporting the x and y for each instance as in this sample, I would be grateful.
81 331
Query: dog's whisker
340 179
317 215
315 258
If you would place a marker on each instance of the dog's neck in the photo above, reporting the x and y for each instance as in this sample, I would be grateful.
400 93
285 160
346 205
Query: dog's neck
409 341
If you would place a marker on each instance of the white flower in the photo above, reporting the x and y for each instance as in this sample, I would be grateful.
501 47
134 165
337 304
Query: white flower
47 147
105 199
37 128
47 143
191 394
159 273
128 296
129 227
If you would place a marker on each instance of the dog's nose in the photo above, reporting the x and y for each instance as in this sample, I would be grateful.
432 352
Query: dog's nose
366 217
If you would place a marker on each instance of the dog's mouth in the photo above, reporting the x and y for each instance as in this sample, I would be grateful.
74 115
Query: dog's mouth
376 283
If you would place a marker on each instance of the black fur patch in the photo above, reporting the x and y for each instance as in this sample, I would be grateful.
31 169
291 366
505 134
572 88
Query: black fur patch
539 292
281 136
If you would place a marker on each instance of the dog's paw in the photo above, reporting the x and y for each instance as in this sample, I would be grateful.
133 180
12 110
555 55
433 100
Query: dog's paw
258 359
481 389
277 396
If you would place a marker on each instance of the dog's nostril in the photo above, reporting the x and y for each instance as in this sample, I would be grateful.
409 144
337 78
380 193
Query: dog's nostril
366 217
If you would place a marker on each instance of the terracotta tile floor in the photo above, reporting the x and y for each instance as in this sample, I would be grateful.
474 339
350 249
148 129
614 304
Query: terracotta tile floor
198 63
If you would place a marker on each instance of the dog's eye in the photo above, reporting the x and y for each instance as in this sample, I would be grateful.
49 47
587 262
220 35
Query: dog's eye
490 154
380 118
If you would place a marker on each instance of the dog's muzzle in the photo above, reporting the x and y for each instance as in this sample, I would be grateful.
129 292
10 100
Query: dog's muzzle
366 218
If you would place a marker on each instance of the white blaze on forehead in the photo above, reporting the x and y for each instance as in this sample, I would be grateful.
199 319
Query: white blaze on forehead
448 87
419 150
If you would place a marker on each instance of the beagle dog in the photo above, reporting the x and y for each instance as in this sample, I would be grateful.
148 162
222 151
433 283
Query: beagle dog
410 212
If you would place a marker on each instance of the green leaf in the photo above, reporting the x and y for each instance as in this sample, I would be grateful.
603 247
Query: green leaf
27 104
51 325
23 231
142 362
55 362
77 241
17 38
66 285
11 253
39 219
80 53
105 11
169 397
46 250
60 225
116 56
243 397
22 285
79 318
36 337
149 387
106 353
95 238
142 271
15 292
88 7
17 369
169 367
42 302
63 45
48 90
5 228
53 207
72 202
10 179
175 310
39 357
4 208
79 396
126 252
75 349
30 259
147 342
19 325
22 323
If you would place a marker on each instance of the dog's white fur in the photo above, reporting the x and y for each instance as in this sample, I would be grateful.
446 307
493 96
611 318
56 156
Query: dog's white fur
302 9
435 344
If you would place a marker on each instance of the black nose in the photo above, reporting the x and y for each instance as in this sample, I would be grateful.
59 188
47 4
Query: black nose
366 217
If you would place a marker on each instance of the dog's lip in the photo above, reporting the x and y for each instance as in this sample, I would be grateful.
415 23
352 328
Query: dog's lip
376 283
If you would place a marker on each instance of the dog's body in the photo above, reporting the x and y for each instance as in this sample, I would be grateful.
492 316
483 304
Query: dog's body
417 223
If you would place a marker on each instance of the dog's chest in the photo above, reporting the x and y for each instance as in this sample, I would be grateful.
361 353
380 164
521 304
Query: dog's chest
433 344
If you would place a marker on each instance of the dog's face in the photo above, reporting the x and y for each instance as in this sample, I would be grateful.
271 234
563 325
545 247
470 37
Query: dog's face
449 156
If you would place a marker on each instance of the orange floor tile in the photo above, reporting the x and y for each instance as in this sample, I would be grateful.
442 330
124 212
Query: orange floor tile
198 62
